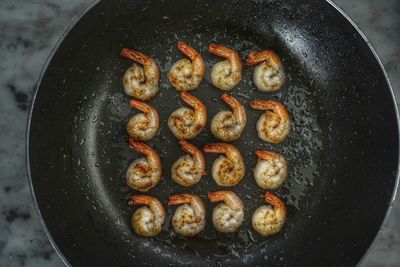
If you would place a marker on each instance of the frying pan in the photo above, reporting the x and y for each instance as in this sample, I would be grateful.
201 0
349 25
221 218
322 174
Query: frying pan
342 151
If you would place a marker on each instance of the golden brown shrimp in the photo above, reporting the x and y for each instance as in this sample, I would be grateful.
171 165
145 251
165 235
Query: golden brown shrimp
187 74
274 125
226 170
226 74
226 125
269 220
268 76
144 173
271 169
141 82
143 126
187 123
188 169
148 220
227 216
190 218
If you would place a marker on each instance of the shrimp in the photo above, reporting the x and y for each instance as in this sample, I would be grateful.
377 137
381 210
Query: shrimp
227 125
274 125
271 169
141 82
228 216
226 74
269 220
187 74
147 221
187 123
226 170
143 126
190 218
188 169
268 76
144 173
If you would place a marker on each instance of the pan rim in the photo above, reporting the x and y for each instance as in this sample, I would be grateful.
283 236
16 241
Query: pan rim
49 58
78 17
396 185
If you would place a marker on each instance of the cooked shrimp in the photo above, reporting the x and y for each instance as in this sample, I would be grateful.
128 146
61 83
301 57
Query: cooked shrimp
143 126
271 169
227 216
226 74
227 125
269 220
144 173
268 76
187 74
226 170
188 169
141 82
147 221
190 218
274 125
187 123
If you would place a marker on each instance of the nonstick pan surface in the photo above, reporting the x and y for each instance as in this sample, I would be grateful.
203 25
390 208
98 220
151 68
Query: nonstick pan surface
342 151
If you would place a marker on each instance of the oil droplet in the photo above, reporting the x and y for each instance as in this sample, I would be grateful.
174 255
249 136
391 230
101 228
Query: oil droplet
94 119
82 141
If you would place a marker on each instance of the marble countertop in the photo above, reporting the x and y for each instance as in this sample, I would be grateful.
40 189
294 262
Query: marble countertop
28 31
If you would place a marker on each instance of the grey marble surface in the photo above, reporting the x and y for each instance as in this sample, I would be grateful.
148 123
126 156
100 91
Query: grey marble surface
28 31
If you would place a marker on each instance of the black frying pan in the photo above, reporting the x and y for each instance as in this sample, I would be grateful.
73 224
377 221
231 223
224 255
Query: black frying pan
342 151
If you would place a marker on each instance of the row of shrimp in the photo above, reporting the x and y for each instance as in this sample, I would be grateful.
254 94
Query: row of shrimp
228 169
189 218
141 80
186 123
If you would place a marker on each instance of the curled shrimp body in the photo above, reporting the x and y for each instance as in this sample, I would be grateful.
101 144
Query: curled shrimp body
227 216
269 220
271 169
187 74
188 169
269 75
186 123
226 125
274 125
226 170
226 74
141 81
144 173
148 220
190 217
143 126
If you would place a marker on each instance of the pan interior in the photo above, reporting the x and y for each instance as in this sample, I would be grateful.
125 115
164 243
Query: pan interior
339 150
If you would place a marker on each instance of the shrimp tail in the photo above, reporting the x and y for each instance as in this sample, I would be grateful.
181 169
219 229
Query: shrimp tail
263 154
260 104
189 99
229 100
216 196
139 146
260 56
139 200
139 105
219 50
179 199
189 51
275 201
134 55
187 147
266 55
216 148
